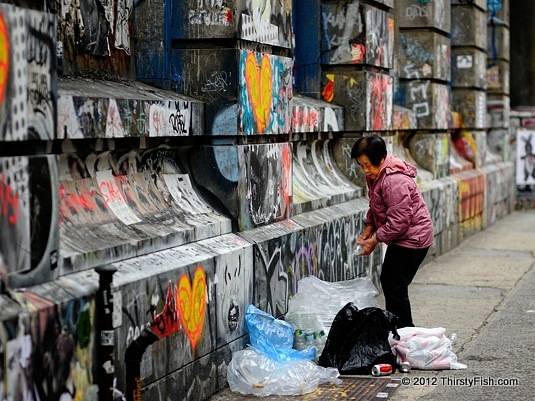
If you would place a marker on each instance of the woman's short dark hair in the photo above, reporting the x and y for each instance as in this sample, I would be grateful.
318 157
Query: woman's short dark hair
372 146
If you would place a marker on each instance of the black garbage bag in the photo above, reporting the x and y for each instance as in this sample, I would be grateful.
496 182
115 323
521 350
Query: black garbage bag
358 339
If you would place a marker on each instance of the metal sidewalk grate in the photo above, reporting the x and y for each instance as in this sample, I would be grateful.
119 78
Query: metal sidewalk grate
352 389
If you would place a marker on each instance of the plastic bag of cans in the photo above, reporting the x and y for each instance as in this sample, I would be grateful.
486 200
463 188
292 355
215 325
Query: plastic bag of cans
425 349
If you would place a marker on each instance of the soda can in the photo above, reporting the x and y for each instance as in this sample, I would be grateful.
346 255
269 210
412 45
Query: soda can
405 366
382 369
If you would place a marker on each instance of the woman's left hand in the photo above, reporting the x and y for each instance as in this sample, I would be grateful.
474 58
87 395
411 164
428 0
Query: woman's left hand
368 245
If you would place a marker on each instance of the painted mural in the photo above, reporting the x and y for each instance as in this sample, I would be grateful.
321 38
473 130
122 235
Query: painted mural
265 94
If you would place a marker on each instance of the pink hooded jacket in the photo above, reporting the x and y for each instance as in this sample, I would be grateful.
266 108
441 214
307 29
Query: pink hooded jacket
397 209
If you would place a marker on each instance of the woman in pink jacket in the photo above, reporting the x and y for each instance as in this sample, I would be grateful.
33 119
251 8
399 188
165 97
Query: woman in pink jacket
399 217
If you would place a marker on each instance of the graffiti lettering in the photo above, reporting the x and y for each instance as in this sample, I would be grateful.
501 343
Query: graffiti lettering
158 123
114 126
9 201
343 25
39 50
75 202
217 83
122 33
39 91
111 192
140 121
177 122
219 17
421 109
410 71
414 11
354 94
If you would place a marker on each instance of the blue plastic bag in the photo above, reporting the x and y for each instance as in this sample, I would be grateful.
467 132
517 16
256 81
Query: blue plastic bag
273 337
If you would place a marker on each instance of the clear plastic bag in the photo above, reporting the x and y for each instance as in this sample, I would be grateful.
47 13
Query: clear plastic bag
312 309
274 337
251 372
425 349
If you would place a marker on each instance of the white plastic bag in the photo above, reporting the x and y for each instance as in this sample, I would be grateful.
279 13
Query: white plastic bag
251 372
312 309
425 349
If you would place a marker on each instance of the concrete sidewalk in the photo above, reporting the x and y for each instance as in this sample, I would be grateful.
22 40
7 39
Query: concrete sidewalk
483 290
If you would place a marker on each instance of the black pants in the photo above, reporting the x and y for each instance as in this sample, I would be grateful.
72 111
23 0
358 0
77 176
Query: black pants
399 268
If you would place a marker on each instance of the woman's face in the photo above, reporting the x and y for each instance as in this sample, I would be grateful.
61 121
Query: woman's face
369 169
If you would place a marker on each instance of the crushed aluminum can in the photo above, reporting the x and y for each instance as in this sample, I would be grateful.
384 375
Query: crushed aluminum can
405 366
382 369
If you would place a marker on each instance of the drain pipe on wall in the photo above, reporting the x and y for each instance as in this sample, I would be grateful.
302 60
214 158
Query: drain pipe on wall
105 333
132 358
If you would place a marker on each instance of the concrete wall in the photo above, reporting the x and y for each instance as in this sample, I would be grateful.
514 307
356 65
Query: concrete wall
202 152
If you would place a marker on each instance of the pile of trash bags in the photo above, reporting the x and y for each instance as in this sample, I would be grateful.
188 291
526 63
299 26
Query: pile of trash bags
271 365
312 309
331 329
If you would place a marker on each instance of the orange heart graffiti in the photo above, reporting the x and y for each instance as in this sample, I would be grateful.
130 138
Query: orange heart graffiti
259 87
192 304
4 58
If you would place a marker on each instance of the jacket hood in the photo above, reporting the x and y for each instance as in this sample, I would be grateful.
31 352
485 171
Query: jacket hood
394 164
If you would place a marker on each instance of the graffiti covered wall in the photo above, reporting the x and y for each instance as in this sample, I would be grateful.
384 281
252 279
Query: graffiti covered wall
28 219
28 79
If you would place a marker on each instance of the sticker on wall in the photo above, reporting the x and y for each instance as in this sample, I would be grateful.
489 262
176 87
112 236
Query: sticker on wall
525 159
465 61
